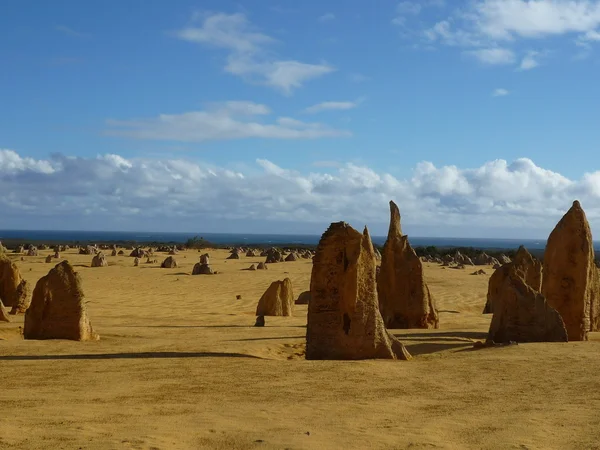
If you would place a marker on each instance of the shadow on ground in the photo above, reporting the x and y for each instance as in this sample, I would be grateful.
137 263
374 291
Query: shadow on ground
141 355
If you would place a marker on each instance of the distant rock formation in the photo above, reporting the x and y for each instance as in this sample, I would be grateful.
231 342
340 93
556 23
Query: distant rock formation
137 253
32 251
58 310
273 256
252 267
570 281
404 298
169 263
344 321
528 268
278 299
99 260
49 258
303 299
521 313
291 257
205 259
234 255
261 266
136 262
202 269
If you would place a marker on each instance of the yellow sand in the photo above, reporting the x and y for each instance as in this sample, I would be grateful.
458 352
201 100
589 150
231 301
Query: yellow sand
179 365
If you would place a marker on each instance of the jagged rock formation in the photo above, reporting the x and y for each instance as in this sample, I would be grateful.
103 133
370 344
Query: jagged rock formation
521 313
57 308
404 298
261 266
343 314
205 259
23 298
32 251
49 258
136 262
99 260
10 278
138 253
291 257
274 256
169 263
278 300
570 281
114 252
252 267
528 268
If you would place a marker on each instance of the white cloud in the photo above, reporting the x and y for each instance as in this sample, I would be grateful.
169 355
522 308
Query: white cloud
326 17
500 92
503 24
507 19
169 192
529 61
248 52
220 121
494 56
329 106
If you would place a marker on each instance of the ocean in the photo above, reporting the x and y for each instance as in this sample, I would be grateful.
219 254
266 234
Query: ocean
251 239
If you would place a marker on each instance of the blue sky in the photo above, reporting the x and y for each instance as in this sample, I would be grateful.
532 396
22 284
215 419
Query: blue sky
477 117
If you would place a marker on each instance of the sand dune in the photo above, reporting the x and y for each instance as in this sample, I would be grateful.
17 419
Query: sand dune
179 365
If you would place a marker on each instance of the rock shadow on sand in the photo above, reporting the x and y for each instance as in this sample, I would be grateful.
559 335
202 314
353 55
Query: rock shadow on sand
140 355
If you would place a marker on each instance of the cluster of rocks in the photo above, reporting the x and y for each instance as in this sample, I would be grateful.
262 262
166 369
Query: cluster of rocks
558 300
460 261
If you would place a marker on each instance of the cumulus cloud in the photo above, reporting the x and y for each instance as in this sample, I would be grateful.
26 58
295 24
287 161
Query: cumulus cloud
221 121
248 52
110 189
485 24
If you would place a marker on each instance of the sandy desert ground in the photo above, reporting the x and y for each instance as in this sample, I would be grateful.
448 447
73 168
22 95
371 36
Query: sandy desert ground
180 365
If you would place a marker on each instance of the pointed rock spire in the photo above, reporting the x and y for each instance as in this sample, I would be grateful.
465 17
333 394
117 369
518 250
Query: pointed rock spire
404 298
570 281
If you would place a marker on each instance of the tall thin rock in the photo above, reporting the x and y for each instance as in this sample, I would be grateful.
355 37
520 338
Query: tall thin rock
570 280
404 298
